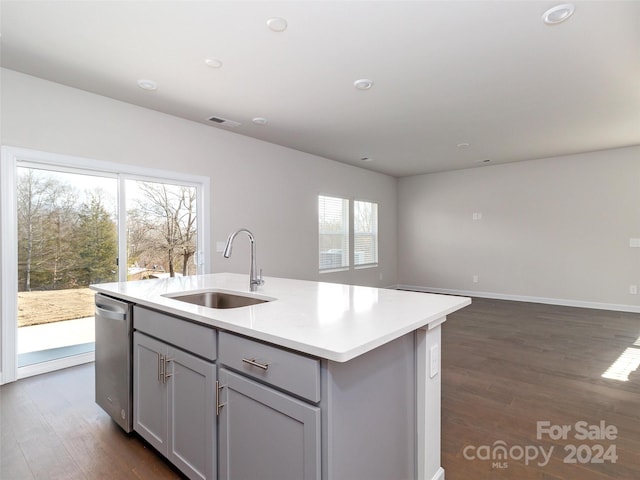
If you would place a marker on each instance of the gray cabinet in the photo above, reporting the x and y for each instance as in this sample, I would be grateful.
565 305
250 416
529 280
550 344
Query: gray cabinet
270 421
281 414
289 371
149 391
289 416
265 434
174 395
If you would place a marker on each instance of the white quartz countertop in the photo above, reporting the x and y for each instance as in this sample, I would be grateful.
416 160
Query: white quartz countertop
327 320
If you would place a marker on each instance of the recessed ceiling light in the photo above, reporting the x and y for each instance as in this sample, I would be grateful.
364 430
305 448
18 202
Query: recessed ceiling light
260 121
363 84
558 14
277 24
463 145
213 62
147 84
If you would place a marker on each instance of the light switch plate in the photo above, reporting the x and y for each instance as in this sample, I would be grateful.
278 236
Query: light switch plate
634 242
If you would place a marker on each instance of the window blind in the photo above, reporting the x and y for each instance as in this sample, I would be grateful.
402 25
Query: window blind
333 227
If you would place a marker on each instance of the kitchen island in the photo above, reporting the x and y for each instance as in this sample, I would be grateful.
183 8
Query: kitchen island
321 381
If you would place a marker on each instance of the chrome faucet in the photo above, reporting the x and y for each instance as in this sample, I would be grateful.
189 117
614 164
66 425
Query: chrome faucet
254 280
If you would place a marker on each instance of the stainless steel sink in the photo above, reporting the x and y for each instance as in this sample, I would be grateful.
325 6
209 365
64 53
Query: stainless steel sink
216 299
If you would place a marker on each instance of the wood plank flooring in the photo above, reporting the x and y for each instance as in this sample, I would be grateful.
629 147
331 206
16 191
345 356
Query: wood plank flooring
505 366
52 429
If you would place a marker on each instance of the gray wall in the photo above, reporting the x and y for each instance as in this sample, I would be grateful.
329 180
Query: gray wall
554 230
269 189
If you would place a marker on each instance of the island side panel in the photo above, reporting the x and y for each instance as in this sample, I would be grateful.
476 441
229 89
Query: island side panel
369 414
428 402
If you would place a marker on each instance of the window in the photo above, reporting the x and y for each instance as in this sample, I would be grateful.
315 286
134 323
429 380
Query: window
339 235
333 227
365 233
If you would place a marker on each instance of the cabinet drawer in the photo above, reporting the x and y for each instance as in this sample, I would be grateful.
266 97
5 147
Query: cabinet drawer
194 338
287 370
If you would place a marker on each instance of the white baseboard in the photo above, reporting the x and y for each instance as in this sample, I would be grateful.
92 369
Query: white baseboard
45 367
524 298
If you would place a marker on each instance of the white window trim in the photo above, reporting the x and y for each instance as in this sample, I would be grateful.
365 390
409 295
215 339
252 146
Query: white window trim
9 268
10 157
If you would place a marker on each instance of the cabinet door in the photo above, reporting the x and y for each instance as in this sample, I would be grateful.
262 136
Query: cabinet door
149 392
191 389
265 434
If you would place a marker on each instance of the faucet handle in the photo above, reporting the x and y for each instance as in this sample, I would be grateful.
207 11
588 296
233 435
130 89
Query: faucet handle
260 279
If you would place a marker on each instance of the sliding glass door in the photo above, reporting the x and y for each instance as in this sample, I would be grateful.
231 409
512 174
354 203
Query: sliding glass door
67 240
70 222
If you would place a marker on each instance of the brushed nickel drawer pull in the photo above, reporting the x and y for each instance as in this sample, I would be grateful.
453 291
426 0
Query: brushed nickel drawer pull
218 404
252 361
165 373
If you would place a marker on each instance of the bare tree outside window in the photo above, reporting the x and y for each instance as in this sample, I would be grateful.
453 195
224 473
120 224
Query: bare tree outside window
45 206
162 229
62 242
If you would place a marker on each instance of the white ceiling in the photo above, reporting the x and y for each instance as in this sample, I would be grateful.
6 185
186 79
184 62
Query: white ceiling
487 73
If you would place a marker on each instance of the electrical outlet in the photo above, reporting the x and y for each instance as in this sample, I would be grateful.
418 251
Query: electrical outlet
475 279
634 242
220 246
633 289
477 216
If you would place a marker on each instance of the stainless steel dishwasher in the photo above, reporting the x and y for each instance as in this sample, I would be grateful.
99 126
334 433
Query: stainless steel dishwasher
114 331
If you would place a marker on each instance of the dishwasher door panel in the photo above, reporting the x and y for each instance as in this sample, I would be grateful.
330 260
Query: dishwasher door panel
113 359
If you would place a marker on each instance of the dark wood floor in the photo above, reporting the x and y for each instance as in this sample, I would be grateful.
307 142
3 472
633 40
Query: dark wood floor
505 366
508 365
51 428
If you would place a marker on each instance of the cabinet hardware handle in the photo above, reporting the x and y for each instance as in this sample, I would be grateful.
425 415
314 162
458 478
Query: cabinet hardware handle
165 373
218 404
160 361
252 361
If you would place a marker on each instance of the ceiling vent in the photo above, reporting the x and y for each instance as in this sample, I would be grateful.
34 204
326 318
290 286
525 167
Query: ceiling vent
224 122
